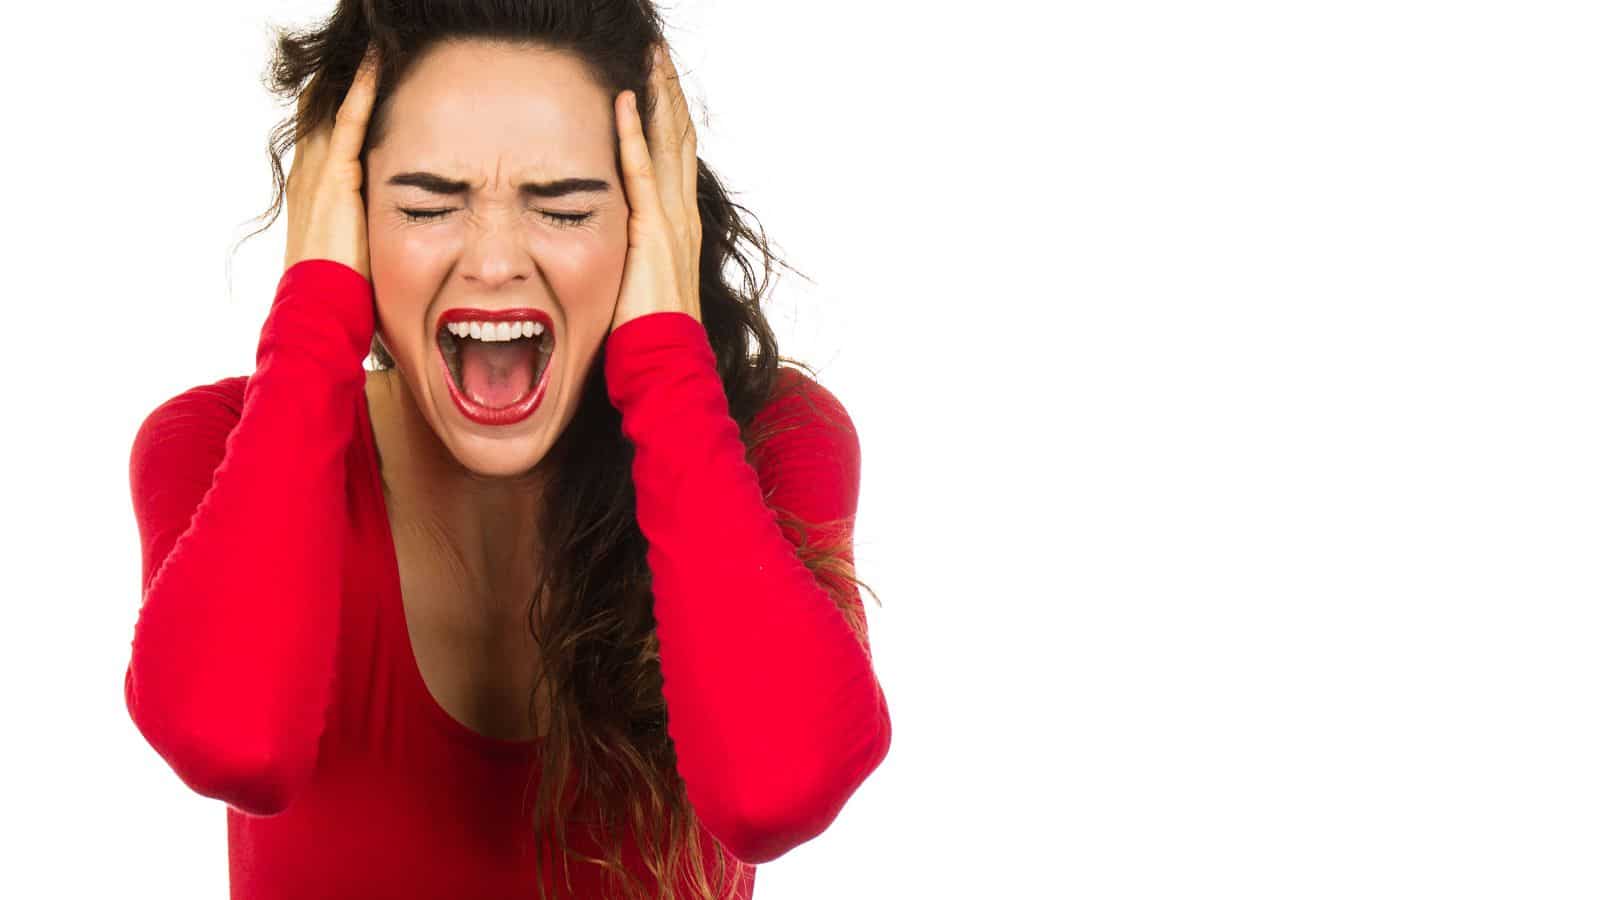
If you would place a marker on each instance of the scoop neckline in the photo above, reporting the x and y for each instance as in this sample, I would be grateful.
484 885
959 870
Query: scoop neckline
393 604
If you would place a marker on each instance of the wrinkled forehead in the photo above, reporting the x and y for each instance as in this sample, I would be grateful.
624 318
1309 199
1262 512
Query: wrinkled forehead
471 109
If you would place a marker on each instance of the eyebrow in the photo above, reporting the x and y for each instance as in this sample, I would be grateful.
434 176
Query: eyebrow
438 184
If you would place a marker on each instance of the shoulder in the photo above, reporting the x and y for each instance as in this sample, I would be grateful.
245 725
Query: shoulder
218 400
807 444
195 418
800 400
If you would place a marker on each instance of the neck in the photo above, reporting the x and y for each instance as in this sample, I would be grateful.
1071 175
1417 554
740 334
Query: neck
485 526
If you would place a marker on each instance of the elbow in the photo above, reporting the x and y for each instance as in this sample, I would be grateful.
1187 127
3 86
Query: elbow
246 785
754 841
757 834
777 818
253 782
252 775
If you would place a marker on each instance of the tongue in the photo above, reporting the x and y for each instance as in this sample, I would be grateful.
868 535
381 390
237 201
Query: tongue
497 373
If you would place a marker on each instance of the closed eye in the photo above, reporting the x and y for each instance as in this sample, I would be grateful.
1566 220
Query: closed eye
565 220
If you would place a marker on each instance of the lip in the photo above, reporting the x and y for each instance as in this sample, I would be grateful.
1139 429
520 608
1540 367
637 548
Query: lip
505 415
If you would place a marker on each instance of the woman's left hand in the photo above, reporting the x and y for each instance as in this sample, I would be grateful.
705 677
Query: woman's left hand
662 270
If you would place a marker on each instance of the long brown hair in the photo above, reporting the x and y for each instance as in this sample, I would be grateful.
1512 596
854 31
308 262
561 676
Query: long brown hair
598 650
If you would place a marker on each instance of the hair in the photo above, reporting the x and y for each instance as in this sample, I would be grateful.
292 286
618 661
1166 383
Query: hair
591 613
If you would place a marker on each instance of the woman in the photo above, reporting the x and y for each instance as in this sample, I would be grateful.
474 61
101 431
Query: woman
556 601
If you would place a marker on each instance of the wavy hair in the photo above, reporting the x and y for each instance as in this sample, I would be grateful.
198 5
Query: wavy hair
591 614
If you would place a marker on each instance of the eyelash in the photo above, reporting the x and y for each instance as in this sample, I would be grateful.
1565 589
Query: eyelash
565 220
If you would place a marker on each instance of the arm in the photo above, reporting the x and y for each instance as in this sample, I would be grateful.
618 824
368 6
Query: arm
241 513
773 707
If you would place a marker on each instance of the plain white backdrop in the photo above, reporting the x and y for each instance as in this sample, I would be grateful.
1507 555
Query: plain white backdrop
1226 382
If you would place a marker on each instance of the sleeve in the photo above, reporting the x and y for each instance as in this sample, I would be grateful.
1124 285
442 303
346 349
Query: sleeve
773 707
242 513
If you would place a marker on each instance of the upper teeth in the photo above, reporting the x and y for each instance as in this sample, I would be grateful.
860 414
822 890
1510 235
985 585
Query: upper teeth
496 331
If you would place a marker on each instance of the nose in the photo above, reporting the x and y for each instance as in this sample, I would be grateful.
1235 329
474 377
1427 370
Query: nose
496 255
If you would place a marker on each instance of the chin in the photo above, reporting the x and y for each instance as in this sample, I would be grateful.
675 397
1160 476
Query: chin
492 456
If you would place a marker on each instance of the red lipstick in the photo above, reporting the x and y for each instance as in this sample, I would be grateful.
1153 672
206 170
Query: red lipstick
524 407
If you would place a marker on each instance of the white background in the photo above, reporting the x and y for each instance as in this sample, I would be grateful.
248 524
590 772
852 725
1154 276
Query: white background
1226 381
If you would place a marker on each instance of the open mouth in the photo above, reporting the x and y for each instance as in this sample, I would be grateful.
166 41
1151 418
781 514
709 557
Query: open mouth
495 373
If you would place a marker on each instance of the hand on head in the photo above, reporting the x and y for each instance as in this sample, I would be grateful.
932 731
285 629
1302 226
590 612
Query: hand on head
660 174
327 216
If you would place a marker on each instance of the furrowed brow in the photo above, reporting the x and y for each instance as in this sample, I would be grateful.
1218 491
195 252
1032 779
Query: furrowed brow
438 184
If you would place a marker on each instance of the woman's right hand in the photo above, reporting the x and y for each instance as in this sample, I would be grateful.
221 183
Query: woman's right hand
327 216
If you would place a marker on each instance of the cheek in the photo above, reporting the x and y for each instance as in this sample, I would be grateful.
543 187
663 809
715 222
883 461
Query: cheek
399 261
405 276
586 273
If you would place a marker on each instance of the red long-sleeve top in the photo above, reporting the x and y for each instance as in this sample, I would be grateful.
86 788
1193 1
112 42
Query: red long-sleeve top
271 666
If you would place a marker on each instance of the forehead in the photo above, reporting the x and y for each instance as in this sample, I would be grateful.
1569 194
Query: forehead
468 108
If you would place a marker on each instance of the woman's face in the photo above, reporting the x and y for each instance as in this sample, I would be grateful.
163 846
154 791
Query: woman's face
496 118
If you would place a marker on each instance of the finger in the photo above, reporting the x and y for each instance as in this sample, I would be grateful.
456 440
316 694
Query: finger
678 112
666 124
350 124
681 124
691 190
638 170
691 175
303 125
303 102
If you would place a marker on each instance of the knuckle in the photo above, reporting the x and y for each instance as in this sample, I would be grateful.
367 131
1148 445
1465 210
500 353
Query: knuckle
344 176
349 114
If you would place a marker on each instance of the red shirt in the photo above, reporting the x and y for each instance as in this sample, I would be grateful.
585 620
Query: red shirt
271 667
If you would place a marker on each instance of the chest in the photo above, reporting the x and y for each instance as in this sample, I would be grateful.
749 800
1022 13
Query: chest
479 669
